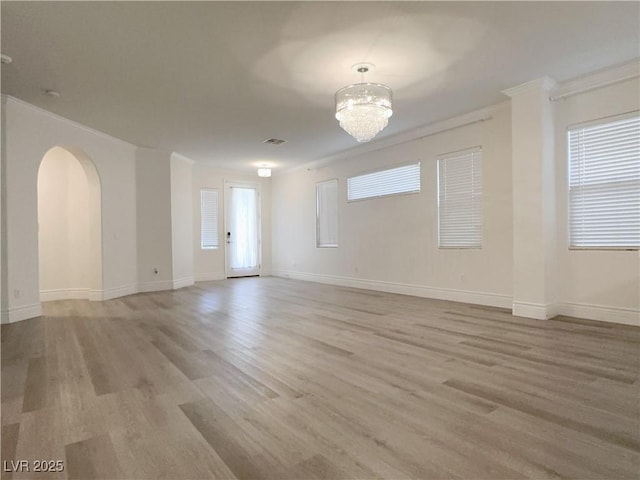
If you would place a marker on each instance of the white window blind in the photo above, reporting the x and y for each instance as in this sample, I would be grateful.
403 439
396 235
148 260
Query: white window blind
460 199
604 184
208 218
327 213
393 181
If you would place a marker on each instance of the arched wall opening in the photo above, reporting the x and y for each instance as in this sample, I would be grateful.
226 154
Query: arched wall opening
69 226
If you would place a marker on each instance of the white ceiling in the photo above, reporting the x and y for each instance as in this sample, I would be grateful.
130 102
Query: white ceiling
212 80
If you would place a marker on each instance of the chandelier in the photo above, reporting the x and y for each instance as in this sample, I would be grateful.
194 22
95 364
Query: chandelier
363 109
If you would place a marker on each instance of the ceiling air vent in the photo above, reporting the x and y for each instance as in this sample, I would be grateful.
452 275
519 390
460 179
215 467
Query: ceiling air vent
274 141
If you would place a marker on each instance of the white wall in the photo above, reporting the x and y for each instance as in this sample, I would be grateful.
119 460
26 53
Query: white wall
598 284
387 244
391 243
182 221
209 264
153 204
28 133
64 220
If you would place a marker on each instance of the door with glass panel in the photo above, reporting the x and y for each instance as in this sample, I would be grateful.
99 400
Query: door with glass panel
242 229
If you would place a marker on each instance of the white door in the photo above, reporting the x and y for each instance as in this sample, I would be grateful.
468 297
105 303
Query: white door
242 229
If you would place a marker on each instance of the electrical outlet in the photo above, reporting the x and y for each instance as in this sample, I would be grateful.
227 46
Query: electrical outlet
155 270
16 293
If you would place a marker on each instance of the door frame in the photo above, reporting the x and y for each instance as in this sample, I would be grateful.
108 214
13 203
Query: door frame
228 184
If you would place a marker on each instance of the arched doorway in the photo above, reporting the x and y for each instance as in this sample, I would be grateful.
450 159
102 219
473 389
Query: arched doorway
69 226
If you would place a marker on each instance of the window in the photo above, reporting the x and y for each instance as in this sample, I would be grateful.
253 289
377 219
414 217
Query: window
460 199
327 213
604 183
405 179
208 219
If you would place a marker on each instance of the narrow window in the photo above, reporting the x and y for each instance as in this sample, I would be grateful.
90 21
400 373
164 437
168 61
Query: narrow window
392 181
460 199
604 184
208 219
327 213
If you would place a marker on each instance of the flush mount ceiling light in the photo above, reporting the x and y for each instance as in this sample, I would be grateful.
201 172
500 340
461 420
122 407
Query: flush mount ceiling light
264 172
363 109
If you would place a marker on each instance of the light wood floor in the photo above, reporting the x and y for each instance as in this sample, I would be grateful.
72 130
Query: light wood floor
271 378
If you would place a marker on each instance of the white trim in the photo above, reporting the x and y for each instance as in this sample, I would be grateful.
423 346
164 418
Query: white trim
114 292
179 156
464 120
626 316
544 83
65 294
96 295
464 296
602 120
72 123
538 311
182 282
599 79
155 286
209 276
17 314
620 315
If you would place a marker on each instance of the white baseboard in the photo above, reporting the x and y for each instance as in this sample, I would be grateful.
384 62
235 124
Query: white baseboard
65 294
464 296
182 282
156 286
209 276
87 294
96 295
626 316
17 314
602 313
116 292
538 311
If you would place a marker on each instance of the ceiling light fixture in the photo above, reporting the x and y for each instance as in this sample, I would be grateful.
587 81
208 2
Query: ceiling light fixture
264 172
363 109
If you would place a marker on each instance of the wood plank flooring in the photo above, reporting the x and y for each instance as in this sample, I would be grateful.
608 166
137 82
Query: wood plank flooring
267 378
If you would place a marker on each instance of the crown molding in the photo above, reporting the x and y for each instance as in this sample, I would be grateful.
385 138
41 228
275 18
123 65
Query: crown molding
601 78
545 84
60 118
419 133
183 158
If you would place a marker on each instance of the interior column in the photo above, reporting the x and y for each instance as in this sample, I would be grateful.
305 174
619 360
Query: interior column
534 200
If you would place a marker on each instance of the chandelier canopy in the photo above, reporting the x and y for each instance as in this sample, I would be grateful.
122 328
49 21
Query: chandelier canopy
363 109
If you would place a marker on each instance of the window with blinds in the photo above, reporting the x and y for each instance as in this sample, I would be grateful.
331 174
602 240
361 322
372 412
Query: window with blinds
208 219
393 181
460 199
604 183
327 213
